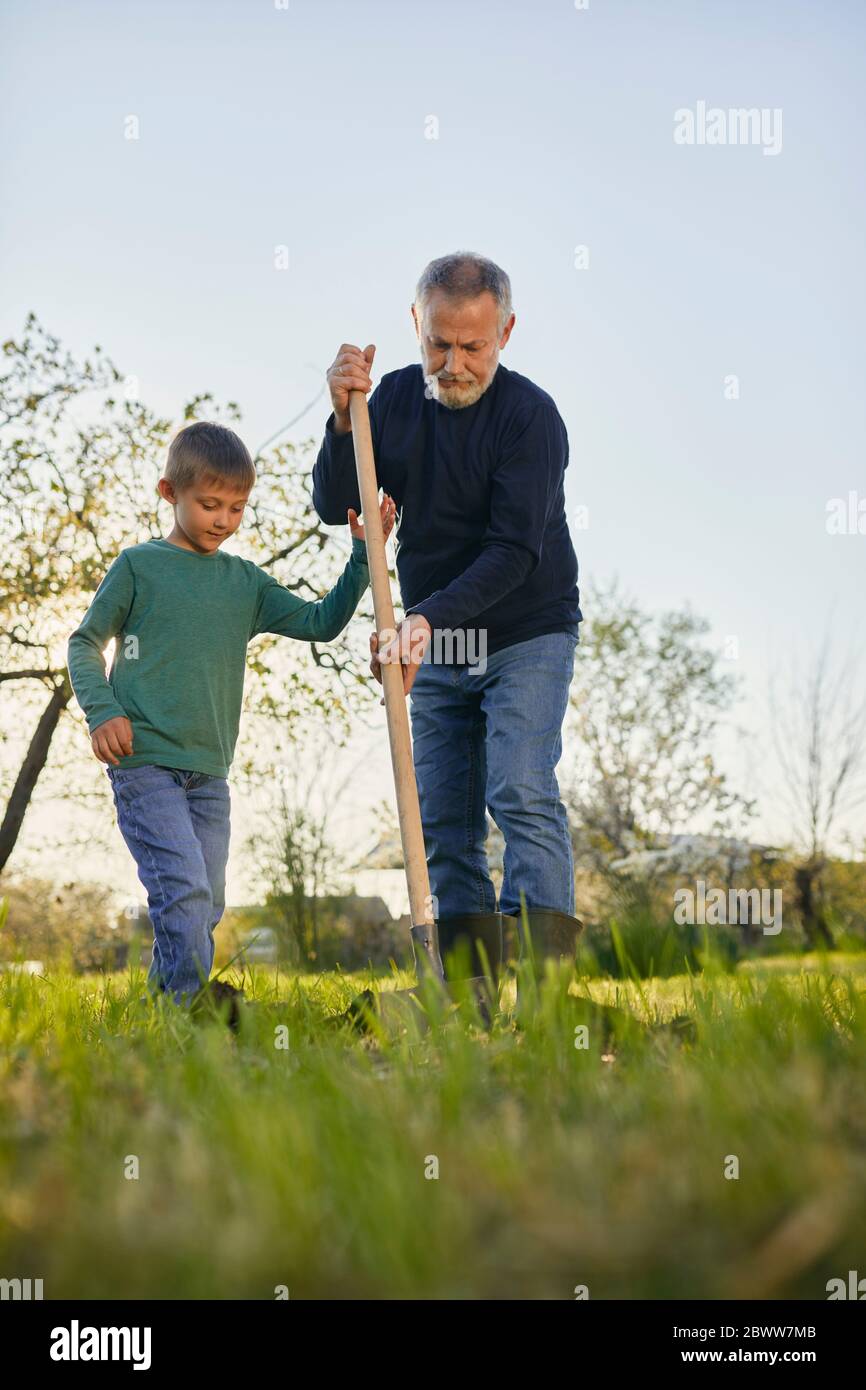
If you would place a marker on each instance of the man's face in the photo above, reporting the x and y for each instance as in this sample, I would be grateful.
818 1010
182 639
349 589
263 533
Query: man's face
206 513
460 344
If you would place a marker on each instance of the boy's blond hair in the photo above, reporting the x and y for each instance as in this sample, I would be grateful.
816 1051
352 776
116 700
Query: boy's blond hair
207 451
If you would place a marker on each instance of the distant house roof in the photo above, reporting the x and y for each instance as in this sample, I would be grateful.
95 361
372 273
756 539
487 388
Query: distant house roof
359 908
679 851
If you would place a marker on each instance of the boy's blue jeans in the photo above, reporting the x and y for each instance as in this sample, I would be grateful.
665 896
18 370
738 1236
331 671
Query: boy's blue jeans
176 824
493 738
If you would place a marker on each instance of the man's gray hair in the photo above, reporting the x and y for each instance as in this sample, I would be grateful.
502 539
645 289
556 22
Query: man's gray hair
464 275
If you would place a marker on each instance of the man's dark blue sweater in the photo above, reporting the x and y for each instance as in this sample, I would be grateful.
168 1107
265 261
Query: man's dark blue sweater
482 539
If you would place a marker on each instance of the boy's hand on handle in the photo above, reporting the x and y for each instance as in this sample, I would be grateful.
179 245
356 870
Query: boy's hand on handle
387 511
112 740
408 646
349 371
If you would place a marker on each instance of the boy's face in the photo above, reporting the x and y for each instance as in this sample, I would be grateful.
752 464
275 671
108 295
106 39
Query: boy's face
206 513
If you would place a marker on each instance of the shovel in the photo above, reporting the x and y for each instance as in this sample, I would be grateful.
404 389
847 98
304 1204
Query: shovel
425 944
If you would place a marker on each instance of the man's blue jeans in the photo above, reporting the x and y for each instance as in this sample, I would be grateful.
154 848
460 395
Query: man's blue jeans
176 824
492 739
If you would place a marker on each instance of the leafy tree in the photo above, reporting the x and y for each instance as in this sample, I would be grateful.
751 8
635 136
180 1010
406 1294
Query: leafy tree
52 922
647 699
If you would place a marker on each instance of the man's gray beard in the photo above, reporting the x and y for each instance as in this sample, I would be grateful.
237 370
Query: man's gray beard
432 386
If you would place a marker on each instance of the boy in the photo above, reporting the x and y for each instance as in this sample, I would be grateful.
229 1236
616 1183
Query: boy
165 720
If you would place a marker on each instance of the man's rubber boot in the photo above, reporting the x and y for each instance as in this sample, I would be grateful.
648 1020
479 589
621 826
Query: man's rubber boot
472 952
552 935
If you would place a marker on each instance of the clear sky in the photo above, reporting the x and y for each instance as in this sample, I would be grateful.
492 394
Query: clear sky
307 127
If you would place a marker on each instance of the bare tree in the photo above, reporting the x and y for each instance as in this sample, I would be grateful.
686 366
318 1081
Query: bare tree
819 735
299 860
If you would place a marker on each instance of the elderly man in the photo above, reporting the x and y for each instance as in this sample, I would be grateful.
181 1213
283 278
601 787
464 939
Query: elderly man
474 455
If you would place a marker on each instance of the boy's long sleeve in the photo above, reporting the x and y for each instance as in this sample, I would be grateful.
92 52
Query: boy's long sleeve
103 620
282 612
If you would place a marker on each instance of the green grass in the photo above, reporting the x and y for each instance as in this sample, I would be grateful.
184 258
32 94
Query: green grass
305 1167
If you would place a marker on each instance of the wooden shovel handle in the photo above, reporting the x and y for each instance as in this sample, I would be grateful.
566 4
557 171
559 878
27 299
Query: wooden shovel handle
396 711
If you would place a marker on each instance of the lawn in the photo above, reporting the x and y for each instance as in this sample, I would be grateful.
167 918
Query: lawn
146 1155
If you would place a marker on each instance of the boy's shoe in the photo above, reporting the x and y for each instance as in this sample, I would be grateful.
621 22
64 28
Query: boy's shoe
224 998
218 992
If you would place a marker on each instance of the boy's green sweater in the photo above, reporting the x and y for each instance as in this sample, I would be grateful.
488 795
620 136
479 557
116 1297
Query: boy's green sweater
182 622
